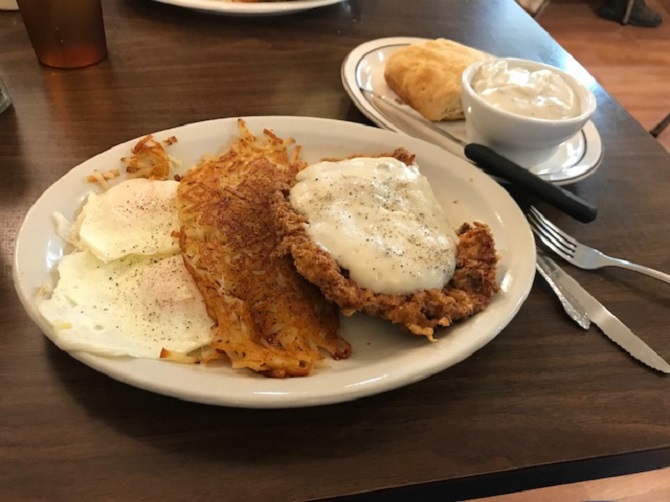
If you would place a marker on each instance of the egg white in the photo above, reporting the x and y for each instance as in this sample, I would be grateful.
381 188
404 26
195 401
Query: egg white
135 217
125 291
134 306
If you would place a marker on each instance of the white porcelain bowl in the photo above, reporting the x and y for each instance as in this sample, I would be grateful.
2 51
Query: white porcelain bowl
525 140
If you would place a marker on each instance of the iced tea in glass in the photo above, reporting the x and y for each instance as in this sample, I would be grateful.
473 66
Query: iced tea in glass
65 33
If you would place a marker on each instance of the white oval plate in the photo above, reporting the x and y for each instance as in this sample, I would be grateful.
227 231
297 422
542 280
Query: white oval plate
250 9
575 159
383 357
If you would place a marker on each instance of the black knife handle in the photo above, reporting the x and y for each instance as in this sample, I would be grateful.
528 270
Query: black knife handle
546 191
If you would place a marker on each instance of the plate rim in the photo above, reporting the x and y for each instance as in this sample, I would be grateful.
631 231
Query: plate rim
591 160
225 7
116 368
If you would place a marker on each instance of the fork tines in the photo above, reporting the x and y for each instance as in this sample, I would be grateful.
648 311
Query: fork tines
551 236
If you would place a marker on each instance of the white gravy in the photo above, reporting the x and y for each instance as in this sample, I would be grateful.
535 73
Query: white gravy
540 94
380 220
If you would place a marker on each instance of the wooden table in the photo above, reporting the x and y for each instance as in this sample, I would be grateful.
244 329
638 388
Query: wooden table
543 403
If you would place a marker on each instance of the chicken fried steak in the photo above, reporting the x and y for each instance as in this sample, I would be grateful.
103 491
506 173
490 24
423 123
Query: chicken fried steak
468 291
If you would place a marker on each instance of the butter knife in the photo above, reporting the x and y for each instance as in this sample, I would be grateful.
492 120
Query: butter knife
484 157
609 324
570 304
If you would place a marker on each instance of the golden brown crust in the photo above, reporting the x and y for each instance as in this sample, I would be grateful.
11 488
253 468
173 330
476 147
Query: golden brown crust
269 318
469 291
427 76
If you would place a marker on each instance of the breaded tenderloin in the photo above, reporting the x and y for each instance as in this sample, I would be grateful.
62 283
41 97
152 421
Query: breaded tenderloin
468 292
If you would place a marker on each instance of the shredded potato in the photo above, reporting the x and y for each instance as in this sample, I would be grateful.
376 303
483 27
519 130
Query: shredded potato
101 178
177 357
149 159
269 319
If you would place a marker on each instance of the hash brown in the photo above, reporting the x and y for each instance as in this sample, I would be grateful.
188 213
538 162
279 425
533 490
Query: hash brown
268 318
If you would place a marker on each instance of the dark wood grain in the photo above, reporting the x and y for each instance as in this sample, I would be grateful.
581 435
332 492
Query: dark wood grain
542 396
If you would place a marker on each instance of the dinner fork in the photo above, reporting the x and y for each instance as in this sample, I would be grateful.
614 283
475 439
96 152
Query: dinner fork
581 255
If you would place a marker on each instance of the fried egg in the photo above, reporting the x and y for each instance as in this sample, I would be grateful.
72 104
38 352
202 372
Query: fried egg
125 291
135 217
134 306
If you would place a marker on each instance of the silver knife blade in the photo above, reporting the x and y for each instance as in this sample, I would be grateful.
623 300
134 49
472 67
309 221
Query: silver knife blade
608 323
570 304
415 126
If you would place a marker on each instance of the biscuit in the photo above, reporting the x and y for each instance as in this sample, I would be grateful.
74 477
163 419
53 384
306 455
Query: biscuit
427 76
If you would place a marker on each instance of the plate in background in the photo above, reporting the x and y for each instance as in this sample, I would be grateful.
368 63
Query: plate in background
250 9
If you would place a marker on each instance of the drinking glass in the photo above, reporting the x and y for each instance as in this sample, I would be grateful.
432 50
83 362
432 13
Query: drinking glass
65 33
